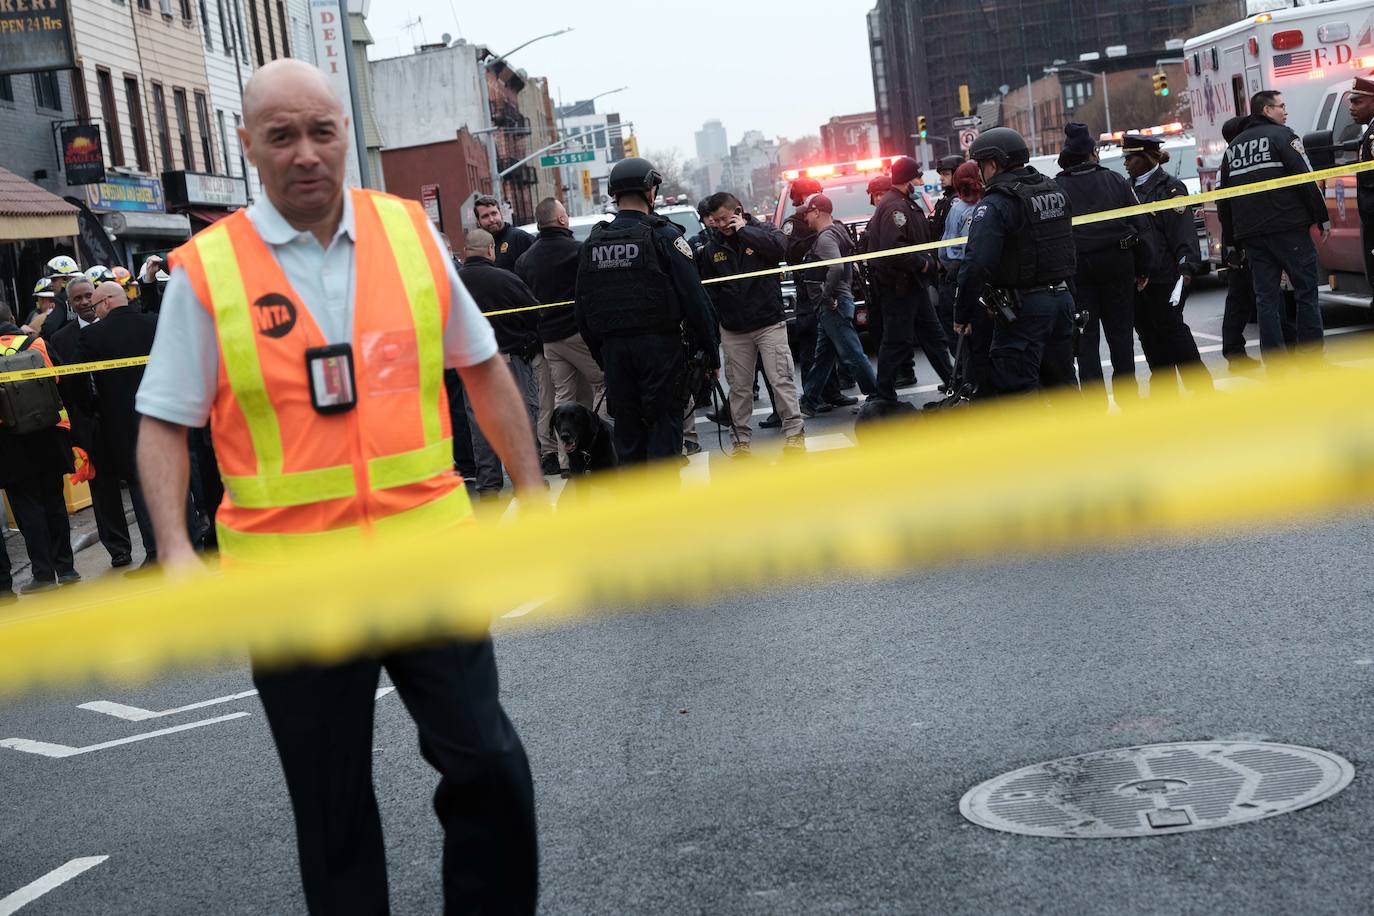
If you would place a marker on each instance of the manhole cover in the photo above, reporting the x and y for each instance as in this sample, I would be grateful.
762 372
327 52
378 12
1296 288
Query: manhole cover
1156 788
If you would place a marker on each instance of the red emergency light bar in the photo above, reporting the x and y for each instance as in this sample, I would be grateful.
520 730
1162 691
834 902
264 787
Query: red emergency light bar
840 168
1159 130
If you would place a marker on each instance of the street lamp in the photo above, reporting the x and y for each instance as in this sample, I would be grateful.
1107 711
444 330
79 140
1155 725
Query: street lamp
1106 95
491 129
562 132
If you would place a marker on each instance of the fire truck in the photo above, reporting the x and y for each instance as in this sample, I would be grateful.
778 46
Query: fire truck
1310 54
846 184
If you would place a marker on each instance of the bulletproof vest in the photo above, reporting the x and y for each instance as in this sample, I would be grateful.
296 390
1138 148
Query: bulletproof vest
623 283
28 405
1041 250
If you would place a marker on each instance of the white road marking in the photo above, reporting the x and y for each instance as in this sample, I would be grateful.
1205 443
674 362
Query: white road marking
1207 336
55 878
828 442
525 608
698 470
138 714
45 749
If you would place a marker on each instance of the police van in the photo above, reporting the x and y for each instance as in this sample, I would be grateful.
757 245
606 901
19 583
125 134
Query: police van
1310 54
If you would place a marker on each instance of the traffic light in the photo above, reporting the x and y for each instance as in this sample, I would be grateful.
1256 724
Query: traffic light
1161 83
921 126
964 104
587 183
631 146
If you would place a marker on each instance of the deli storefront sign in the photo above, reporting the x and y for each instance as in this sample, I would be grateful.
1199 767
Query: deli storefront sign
123 192
192 189
35 35
81 154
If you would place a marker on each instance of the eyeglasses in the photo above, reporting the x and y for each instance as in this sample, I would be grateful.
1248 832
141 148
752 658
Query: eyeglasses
1283 105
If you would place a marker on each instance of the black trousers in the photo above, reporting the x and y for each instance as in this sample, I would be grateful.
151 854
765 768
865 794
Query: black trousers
944 306
1105 288
107 502
1035 350
321 720
6 571
464 458
1165 337
644 378
41 514
808 328
207 489
1366 244
909 319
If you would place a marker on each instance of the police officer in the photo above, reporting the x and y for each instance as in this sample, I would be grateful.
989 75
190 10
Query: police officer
800 238
1112 263
1165 337
511 241
1021 245
945 169
1362 112
637 292
1273 228
908 314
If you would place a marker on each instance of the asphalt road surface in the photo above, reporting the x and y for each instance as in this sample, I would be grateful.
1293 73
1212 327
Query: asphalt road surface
797 751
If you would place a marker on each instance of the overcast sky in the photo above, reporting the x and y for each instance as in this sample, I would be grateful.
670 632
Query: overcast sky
748 79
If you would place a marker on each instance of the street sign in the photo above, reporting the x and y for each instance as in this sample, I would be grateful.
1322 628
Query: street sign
967 136
557 159
969 121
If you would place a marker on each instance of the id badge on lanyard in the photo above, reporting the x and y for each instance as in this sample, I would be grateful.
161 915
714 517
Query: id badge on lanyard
332 388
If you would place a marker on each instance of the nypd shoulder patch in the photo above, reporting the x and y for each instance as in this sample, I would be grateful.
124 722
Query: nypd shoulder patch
899 218
681 245
787 228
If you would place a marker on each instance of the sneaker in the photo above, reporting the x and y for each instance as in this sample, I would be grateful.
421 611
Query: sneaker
691 448
843 400
34 587
69 578
120 561
771 422
907 380
548 463
741 450
794 445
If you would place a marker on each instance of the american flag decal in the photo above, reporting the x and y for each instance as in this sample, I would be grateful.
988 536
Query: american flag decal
1294 63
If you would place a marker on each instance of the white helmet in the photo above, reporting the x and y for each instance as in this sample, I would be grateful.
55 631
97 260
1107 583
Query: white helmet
62 266
43 289
99 273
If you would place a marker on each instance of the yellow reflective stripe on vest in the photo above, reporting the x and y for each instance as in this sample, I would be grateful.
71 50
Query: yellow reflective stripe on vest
445 512
270 487
408 249
269 491
411 467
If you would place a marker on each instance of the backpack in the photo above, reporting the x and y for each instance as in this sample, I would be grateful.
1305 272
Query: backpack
27 405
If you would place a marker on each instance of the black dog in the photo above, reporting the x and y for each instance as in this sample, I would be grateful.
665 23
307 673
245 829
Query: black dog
585 437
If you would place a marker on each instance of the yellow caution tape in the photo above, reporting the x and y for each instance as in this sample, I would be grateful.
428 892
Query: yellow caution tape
20 375
1024 479
1172 203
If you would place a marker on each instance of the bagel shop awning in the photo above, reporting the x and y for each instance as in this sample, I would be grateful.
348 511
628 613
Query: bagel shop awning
29 212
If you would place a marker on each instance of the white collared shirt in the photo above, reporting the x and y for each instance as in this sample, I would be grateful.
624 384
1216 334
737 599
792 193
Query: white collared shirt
180 381
1146 177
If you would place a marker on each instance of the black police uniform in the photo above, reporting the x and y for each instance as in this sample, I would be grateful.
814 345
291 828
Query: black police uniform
1110 254
908 314
1021 242
1165 337
1364 198
637 292
511 243
1274 227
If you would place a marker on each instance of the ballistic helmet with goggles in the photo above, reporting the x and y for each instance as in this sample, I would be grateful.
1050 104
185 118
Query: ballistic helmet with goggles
634 176
1001 145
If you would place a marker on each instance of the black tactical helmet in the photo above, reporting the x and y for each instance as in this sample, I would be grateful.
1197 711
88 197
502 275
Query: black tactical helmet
949 163
1001 145
634 176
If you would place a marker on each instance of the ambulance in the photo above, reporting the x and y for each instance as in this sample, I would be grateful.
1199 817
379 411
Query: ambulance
1311 54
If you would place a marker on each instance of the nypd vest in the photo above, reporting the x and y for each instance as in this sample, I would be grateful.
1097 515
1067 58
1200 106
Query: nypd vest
622 281
1041 251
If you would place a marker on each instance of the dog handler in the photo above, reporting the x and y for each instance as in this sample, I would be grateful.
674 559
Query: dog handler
313 329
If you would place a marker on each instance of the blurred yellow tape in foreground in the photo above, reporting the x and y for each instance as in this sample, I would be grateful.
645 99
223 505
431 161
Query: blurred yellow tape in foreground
1017 477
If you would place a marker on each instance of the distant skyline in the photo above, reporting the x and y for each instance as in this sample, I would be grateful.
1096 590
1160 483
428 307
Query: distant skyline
748 69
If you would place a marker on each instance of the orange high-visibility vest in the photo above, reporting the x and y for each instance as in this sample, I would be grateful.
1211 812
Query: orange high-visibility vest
291 475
